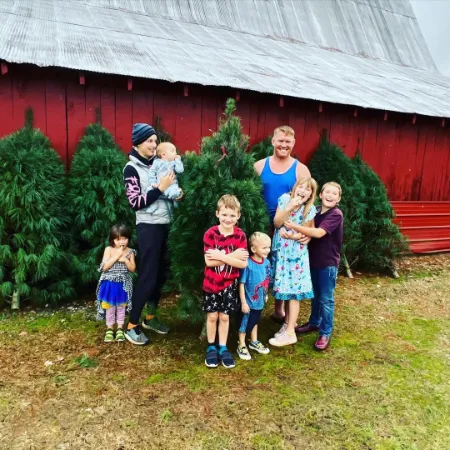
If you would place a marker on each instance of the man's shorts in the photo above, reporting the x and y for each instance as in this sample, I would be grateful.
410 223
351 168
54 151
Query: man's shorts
226 301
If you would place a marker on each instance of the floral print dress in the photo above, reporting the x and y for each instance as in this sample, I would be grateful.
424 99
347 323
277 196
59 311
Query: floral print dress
290 260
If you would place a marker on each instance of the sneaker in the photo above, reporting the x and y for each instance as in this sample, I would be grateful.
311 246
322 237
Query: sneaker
243 353
155 325
120 335
136 336
281 330
283 339
227 359
258 347
322 343
212 358
109 335
306 328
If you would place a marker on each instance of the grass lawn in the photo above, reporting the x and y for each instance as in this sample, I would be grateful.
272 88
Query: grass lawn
383 383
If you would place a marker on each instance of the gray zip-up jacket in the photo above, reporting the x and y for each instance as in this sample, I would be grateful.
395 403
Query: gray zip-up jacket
135 178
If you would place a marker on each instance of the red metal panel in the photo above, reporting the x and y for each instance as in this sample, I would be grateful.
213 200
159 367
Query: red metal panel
124 108
431 167
143 106
243 110
441 155
209 115
93 103
55 102
188 126
311 135
425 224
165 105
29 93
76 116
108 109
6 102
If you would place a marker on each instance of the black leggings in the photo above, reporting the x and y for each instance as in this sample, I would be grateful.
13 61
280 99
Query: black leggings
251 319
153 267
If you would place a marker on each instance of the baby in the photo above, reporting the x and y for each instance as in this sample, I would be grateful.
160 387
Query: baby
166 160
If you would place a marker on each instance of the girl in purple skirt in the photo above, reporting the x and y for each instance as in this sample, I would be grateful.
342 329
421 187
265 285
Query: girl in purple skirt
115 285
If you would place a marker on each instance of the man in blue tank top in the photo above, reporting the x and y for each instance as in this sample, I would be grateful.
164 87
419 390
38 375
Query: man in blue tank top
279 173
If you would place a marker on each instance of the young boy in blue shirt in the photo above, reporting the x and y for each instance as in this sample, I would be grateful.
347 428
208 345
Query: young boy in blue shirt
253 289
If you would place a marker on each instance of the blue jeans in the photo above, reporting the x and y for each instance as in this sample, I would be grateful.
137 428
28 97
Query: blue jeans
322 304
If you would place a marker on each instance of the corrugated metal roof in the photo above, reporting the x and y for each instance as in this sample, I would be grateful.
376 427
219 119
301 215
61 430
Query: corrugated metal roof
200 41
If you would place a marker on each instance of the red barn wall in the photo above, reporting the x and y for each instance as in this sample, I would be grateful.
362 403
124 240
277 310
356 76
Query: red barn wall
412 159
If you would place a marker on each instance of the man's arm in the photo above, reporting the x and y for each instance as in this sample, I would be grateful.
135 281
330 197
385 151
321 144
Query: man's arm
259 165
302 171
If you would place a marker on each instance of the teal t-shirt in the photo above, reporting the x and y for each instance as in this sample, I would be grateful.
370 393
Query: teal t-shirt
256 277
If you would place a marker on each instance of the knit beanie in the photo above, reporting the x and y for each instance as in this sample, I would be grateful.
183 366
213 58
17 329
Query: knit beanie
141 132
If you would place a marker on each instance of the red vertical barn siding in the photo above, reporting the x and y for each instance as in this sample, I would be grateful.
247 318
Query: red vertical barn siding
413 160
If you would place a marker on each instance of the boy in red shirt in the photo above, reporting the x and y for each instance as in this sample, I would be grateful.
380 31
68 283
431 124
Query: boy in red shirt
225 247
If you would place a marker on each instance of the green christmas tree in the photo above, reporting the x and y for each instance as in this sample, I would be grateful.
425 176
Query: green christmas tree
96 197
383 243
329 163
223 167
262 149
35 254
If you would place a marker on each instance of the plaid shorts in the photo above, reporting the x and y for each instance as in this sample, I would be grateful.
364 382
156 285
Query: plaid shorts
226 301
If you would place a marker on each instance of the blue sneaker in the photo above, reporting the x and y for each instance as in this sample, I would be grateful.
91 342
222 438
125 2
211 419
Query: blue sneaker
227 359
212 357
136 336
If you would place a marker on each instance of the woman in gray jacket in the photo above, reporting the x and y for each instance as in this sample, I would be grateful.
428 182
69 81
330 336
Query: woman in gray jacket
152 232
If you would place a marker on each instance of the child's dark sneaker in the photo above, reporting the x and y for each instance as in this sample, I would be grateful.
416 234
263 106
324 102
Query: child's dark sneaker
155 325
322 343
243 353
227 359
120 335
136 336
212 357
259 347
109 335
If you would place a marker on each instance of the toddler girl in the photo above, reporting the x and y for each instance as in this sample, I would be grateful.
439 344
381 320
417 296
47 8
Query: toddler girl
115 285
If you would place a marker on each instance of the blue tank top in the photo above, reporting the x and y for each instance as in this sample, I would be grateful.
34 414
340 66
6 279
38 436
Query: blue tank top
277 184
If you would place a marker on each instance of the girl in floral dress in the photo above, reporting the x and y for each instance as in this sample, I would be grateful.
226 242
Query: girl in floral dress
292 278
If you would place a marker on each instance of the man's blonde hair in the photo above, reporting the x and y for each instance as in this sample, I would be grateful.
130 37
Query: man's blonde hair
229 201
258 236
162 148
334 184
286 129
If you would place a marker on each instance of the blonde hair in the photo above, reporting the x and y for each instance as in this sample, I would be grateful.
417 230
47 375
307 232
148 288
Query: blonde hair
311 183
258 236
229 201
286 129
333 184
162 148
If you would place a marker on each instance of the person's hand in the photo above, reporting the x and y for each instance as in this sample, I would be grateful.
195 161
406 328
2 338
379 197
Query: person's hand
166 181
178 157
155 185
215 253
294 203
178 199
303 239
288 224
245 308
240 254
266 299
285 234
117 253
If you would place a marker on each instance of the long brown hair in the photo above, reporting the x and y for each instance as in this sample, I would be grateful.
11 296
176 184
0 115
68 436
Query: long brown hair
312 184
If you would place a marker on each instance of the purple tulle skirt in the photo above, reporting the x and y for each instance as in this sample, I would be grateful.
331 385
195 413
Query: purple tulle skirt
112 292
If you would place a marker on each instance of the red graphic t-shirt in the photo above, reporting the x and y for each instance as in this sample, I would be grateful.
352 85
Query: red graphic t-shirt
218 278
